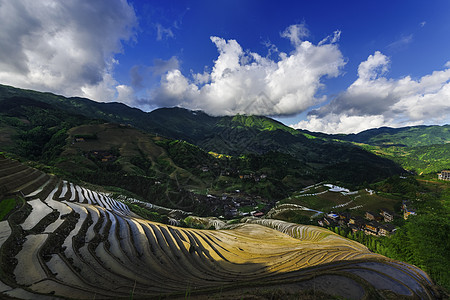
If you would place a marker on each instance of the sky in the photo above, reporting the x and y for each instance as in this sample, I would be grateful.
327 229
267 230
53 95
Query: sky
329 66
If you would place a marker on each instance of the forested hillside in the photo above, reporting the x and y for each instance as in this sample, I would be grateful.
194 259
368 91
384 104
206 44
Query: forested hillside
35 126
420 149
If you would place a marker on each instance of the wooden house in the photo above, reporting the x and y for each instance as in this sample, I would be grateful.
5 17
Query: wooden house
444 175
387 215
386 230
370 215
372 228
357 221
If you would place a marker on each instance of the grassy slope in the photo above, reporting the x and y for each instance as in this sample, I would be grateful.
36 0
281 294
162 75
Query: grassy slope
112 112
327 201
6 206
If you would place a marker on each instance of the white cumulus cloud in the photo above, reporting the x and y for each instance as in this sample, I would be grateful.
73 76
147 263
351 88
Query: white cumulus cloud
247 83
65 47
374 100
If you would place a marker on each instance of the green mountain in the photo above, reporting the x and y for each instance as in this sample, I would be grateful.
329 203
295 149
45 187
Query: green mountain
413 136
407 136
242 134
238 135
423 149
112 112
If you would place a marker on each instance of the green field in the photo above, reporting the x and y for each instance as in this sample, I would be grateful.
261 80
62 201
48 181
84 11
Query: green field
6 206
356 204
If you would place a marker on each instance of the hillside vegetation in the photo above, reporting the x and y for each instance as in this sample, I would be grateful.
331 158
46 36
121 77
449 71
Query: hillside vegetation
224 135
420 149
414 136
163 157
429 159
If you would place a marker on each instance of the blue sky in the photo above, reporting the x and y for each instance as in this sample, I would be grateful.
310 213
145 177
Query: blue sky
332 66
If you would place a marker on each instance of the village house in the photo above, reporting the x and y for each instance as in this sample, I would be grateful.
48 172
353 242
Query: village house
357 221
407 212
230 211
372 228
386 230
259 178
324 222
444 175
108 157
342 218
342 222
387 215
334 216
370 215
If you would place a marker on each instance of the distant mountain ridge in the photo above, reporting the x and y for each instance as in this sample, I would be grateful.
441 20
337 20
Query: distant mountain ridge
195 125
411 136
421 149
232 135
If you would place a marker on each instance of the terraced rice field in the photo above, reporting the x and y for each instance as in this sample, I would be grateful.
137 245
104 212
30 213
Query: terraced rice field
71 242
326 197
